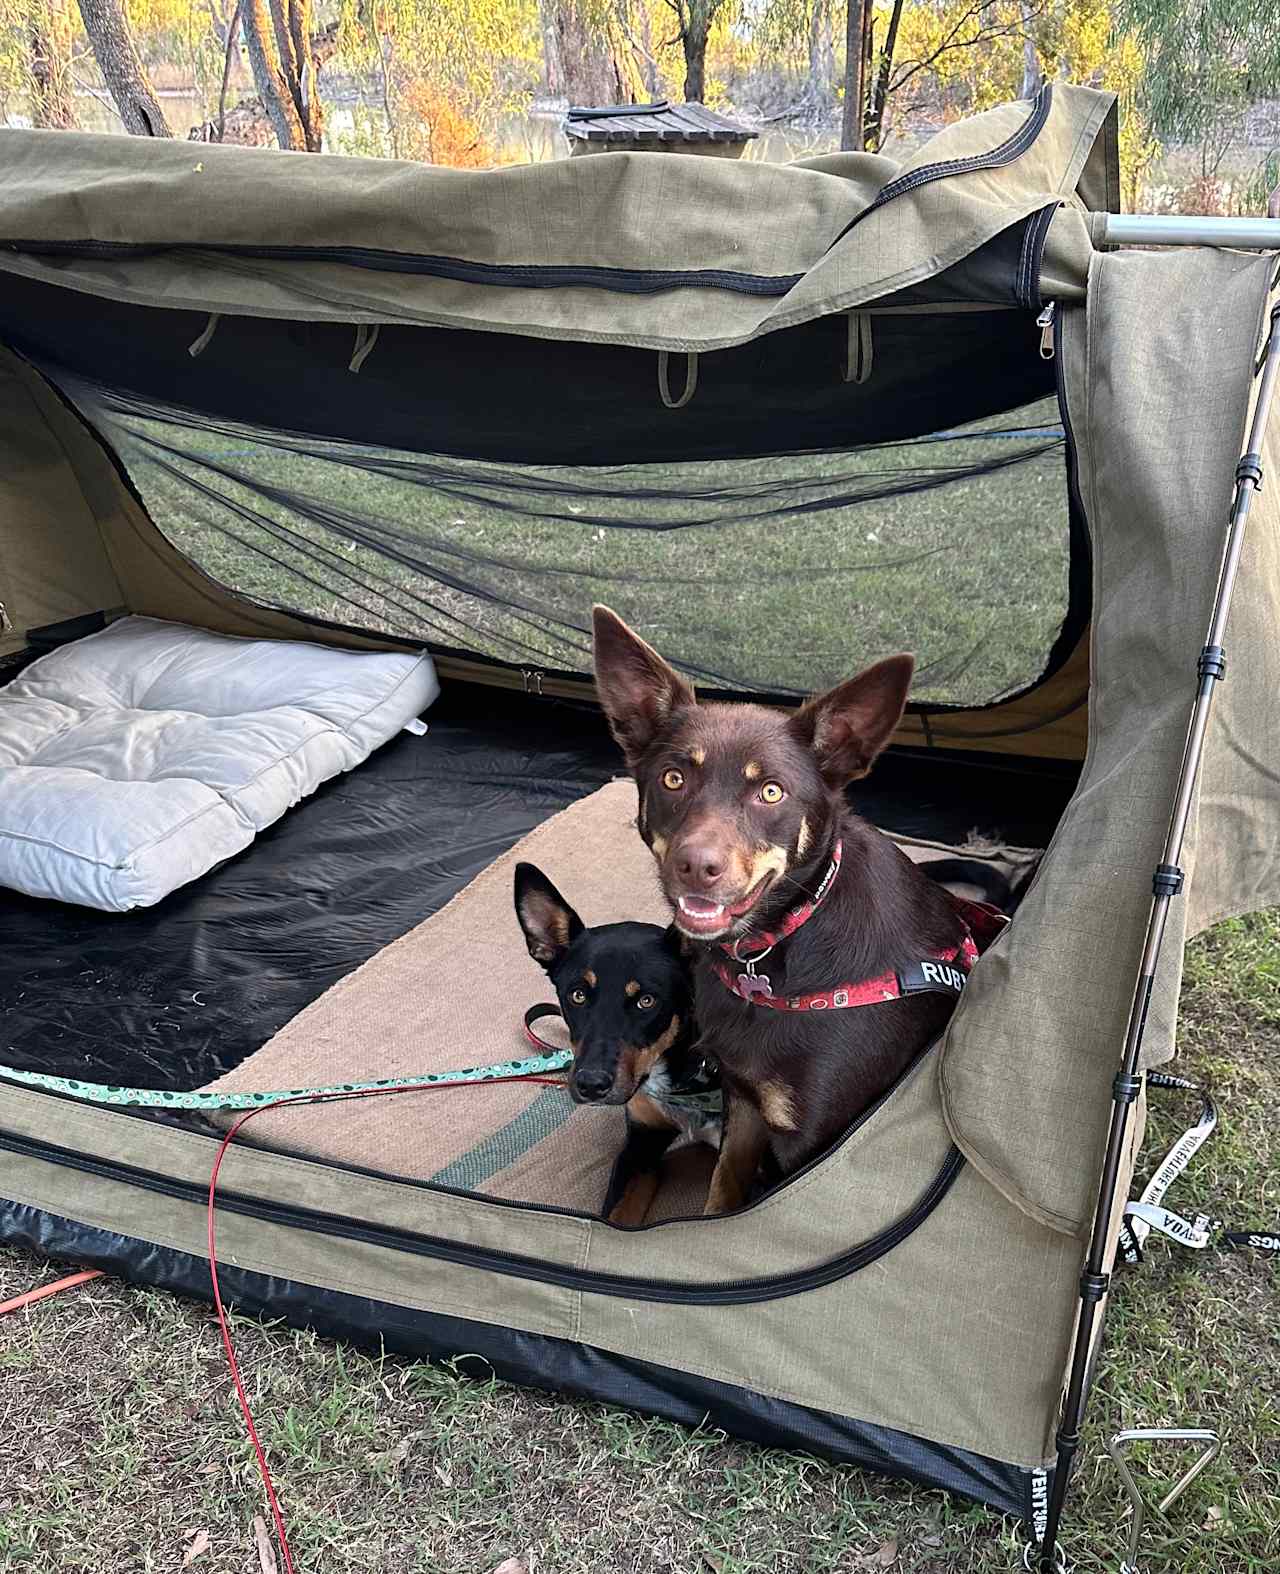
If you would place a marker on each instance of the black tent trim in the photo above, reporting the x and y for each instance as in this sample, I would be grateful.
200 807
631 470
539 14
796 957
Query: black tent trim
742 1292
1013 147
536 1360
529 276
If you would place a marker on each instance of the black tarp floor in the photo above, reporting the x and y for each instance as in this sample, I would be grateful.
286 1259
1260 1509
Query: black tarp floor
174 995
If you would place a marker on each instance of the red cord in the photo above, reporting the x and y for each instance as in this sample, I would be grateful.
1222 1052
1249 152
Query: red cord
318 1098
43 1290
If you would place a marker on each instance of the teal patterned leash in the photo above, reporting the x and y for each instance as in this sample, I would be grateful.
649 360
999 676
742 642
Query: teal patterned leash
156 1098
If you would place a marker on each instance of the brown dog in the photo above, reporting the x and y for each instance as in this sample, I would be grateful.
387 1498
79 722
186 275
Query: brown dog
743 807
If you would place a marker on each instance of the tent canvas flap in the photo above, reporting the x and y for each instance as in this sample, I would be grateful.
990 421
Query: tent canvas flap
1157 402
579 249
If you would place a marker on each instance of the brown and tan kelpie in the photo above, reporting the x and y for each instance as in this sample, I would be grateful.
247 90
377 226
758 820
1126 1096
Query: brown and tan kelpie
796 908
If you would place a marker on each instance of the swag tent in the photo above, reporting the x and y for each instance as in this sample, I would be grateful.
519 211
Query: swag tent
776 416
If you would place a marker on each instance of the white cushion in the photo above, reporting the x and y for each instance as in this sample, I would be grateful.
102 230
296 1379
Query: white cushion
136 759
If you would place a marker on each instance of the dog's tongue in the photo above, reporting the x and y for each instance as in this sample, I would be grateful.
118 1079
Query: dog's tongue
700 913
747 902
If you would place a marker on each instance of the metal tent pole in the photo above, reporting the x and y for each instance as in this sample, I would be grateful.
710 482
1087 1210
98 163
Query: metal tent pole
1145 229
1166 883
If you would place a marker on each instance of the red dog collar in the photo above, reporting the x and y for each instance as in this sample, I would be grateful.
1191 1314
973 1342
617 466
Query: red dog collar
764 943
944 972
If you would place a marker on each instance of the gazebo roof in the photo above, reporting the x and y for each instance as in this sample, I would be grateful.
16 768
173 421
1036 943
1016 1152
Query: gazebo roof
659 122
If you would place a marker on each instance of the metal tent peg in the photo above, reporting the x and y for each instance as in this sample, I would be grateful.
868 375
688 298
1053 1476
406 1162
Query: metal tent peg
1122 1441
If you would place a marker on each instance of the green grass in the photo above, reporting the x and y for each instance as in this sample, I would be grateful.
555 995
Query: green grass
970 576
119 1439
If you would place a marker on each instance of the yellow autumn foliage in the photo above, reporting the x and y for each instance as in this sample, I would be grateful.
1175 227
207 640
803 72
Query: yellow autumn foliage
1075 41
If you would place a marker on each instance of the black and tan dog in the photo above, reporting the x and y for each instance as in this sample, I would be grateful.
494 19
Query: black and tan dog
795 907
626 994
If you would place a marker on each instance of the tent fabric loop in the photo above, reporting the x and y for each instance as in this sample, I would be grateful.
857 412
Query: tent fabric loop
690 380
366 338
859 348
200 345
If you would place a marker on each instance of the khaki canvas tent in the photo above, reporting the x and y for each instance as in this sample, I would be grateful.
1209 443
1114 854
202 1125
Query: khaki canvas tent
370 404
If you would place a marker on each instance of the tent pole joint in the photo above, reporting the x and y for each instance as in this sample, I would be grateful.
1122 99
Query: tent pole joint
1126 1087
1250 469
1167 880
1094 1286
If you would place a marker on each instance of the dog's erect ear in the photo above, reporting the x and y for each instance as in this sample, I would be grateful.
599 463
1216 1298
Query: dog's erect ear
550 925
849 725
639 691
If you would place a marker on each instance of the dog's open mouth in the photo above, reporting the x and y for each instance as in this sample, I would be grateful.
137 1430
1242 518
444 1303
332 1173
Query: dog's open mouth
701 917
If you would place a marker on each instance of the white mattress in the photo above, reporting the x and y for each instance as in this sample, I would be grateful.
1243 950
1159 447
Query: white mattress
135 760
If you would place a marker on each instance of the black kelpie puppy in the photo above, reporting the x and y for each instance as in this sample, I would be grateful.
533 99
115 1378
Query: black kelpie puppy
626 994
796 908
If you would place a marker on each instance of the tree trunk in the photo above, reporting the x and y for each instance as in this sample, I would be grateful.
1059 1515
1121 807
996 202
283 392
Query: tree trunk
695 67
1032 76
646 47
822 55
248 124
553 72
1273 203
122 68
588 72
269 78
694 40
626 57
230 35
291 24
857 13
49 40
283 36
884 75
310 109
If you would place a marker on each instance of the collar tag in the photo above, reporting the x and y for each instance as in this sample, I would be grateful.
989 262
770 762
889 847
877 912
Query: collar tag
751 985
921 978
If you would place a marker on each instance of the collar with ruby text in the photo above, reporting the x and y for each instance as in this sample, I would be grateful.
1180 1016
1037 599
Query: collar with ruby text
942 972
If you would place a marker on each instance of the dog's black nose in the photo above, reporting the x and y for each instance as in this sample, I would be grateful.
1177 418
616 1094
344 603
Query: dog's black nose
700 865
592 1085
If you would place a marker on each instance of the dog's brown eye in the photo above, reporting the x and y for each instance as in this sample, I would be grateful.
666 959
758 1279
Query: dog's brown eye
578 996
771 792
646 1002
673 780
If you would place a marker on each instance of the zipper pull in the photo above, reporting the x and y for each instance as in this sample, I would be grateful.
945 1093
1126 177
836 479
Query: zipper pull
1045 324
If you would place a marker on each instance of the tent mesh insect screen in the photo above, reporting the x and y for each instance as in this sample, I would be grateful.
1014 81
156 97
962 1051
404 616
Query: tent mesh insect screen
778 575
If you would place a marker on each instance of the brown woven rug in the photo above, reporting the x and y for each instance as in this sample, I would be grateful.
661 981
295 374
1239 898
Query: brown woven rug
453 992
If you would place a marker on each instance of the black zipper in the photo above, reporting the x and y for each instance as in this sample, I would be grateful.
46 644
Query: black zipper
1026 284
625 281
1013 147
1080 573
731 1292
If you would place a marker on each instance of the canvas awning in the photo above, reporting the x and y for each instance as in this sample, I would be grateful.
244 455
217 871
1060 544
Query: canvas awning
597 250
